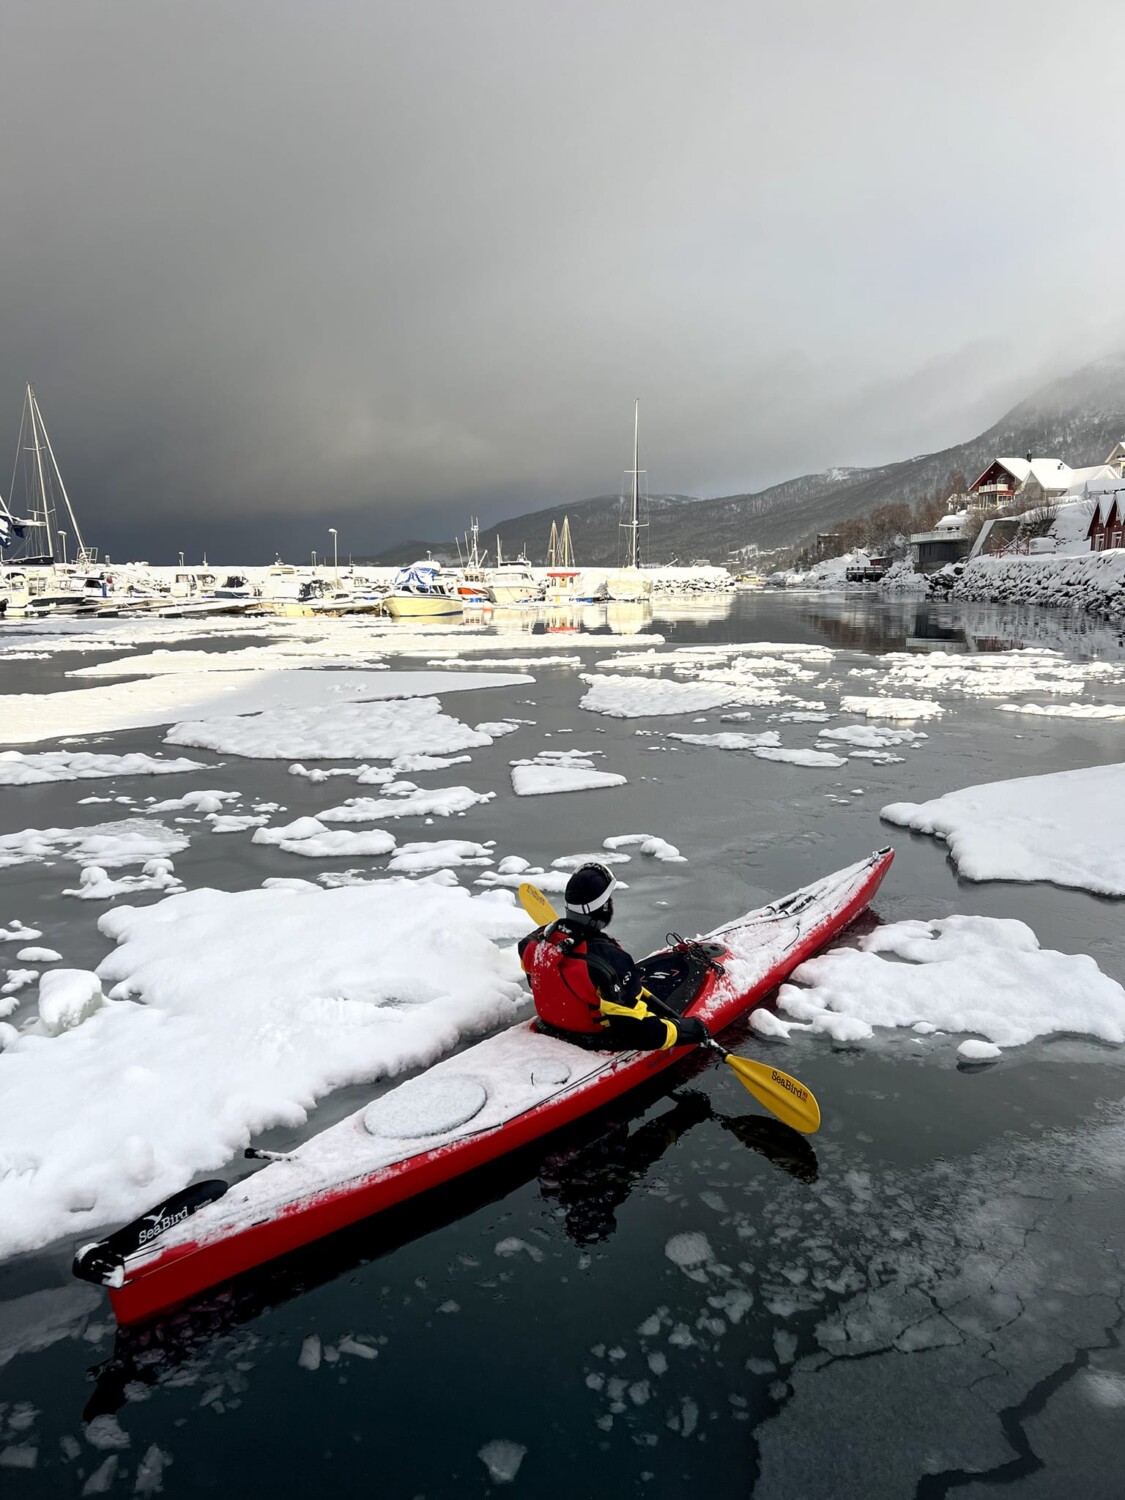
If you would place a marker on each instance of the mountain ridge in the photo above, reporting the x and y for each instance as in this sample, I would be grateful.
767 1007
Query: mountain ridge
1077 417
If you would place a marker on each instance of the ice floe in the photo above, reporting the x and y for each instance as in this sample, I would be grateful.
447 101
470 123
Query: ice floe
306 696
646 843
359 731
730 740
310 838
18 769
801 757
442 802
96 884
1066 710
983 975
1067 827
439 854
230 1013
130 842
560 771
639 697
891 708
872 736
993 674
199 802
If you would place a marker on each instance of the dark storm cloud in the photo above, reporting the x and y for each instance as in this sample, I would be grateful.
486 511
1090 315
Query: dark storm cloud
275 267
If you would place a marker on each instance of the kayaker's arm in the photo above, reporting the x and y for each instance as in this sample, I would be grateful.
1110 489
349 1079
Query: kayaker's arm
620 985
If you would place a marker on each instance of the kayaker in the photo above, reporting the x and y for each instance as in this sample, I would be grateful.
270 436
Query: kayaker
588 990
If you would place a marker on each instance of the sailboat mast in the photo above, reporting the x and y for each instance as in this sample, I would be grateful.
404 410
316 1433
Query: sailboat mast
634 555
30 402
81 555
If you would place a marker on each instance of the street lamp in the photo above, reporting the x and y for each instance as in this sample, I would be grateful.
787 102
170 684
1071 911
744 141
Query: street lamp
181 559
335 555
314 560
62 545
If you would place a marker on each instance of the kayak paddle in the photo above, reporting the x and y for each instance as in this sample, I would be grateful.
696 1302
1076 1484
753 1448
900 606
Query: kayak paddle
782 1095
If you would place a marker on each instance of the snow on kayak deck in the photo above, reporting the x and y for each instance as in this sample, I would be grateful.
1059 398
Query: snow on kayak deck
1067 827
331 729
27 717
983 975
252 1005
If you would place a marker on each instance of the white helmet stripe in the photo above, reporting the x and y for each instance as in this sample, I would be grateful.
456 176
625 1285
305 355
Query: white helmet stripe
586 907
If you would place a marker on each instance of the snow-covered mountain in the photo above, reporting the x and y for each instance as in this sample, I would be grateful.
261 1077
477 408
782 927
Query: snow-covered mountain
1078 418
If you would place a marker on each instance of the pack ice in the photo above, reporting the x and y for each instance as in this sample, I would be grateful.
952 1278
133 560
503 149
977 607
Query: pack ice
228 1013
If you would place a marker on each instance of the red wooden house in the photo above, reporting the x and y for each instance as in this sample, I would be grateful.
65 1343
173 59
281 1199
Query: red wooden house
1107 524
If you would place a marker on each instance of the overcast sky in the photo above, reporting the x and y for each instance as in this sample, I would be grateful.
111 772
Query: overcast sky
277 266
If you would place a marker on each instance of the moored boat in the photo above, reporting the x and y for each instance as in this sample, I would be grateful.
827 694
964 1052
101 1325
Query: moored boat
420 593
481 1104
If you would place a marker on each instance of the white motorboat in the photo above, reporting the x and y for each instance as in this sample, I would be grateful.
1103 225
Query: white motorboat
514 582
420 592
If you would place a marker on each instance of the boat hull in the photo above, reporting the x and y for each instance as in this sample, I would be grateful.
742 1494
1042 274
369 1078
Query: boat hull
529 1084
421 606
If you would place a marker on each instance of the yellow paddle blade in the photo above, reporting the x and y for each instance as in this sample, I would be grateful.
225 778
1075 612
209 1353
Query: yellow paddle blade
787 1097
538 908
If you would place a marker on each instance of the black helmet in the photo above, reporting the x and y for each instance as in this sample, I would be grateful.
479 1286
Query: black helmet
588 893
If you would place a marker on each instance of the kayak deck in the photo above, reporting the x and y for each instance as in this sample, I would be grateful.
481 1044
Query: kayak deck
491 1099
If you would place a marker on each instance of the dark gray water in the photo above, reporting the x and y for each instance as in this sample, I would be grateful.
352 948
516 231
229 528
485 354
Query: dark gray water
924 1301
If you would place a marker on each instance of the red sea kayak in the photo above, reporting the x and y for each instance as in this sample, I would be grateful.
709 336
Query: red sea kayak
468 1110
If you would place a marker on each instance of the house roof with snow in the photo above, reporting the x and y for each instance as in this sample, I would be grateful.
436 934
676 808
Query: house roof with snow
1048 473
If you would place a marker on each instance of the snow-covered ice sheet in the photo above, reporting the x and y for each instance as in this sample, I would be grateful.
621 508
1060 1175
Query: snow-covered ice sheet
641 697
329 731
646 843
312 839
892 708
801 757
872 736
28 717
1067 827
992 674
441 802
96 884
252 1005
982 975
1067 710
730 739
18 769
438 854
129 842
560 771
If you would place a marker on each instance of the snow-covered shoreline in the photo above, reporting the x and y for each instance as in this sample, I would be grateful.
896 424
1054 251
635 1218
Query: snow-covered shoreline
1090 581
1093 581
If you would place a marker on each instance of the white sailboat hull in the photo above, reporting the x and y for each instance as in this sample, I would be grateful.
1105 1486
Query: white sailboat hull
629 584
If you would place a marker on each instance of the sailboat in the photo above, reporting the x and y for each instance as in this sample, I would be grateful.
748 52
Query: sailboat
36 539
630 582
562 575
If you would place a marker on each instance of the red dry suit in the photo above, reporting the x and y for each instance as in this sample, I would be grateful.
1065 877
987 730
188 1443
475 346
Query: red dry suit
586 985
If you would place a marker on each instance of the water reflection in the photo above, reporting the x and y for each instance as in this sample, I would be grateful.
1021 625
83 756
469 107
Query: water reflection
589 1172
590 1182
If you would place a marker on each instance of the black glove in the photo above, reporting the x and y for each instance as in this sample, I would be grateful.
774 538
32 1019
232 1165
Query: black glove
691 1032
